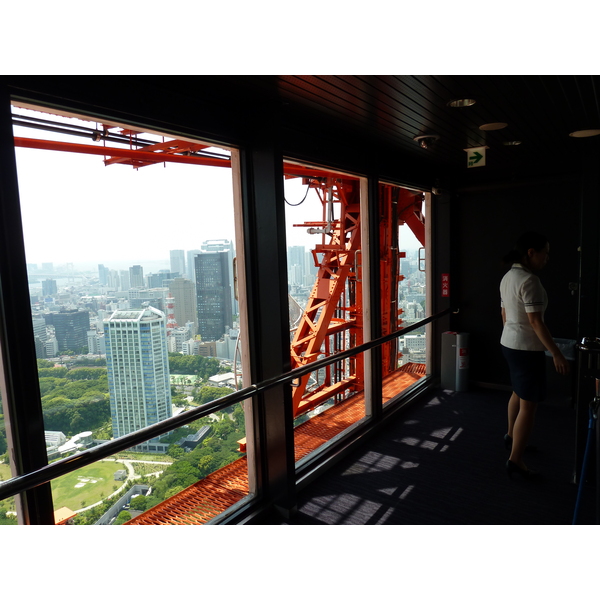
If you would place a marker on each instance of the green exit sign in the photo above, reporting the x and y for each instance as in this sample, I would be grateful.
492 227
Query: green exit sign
476 156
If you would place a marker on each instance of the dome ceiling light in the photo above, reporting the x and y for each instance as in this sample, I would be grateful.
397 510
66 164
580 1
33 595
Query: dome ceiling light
583 133
461 102
493 126
512 143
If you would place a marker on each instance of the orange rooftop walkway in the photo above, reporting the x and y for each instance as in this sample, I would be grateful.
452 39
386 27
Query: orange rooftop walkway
220 490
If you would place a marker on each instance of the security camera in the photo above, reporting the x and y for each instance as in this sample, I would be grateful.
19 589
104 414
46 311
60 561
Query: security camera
426 141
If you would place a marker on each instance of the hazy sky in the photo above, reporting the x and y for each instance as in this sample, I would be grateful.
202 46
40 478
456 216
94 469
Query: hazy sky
77 210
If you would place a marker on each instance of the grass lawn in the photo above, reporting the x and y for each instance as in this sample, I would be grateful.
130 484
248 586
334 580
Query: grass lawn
4 472
139 456
85 485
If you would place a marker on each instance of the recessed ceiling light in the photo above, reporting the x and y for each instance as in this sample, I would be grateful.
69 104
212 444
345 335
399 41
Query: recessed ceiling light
461 102
585 133
493 126
513 143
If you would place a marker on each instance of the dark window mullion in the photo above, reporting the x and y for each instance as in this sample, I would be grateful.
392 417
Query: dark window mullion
20 387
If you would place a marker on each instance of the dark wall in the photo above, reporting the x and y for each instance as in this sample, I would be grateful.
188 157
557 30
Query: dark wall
488 221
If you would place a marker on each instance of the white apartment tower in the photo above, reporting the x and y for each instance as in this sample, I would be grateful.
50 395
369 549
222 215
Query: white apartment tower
138 371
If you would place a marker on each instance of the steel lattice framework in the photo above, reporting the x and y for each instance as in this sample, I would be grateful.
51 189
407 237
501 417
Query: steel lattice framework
331 321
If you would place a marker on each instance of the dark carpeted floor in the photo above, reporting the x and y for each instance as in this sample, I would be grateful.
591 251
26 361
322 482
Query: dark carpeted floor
442 463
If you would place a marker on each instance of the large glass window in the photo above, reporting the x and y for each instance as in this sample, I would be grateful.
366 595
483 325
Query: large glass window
130 244
323 225
403 257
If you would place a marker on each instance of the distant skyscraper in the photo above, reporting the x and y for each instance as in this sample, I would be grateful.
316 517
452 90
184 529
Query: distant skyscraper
138 371
40 336
136 276
103 274
124 280
191 265
178 262
39 328
70 328
184 292
161 279
213 294
296 262
113 279
224 245
49 287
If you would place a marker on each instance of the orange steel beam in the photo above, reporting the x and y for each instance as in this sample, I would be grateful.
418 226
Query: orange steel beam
410 211
136 155
325 393
389 269
332 313
170 147
396 205
145 157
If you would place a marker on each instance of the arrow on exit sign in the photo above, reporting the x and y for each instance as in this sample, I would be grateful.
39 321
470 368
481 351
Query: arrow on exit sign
476 156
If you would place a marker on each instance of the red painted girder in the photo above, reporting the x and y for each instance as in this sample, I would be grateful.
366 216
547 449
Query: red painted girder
310 335
409 211
324 394
145 157
170 147
136 155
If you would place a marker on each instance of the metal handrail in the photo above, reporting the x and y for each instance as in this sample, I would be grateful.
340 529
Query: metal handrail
22 483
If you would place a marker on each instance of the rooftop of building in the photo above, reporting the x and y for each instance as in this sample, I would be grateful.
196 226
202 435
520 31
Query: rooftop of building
140 314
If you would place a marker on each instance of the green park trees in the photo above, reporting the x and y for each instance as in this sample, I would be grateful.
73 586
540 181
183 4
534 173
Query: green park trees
74 400
187 364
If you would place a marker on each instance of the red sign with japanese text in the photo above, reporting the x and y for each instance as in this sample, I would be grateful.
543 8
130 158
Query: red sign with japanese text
445 285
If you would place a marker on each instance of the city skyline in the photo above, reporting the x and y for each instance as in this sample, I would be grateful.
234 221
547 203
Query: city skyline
152 266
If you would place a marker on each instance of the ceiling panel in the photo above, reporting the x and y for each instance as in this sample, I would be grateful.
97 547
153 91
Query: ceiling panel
540 111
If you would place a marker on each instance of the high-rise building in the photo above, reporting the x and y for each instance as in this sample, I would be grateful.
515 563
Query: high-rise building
51 348
178 262
296 262
184 292
136 276
113 280
138 371
102 274
39 328
40 336
124 280
213 294
224 245
70 328
96 342
191 265
49 287
161 279
141 297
